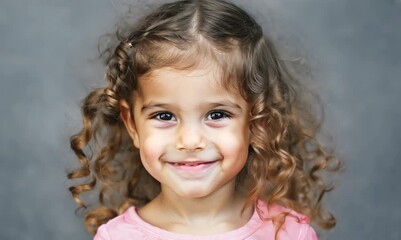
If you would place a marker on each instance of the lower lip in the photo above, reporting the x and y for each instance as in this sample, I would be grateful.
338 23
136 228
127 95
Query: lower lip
193 168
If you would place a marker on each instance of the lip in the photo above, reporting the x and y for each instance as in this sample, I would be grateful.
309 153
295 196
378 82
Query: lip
191 163
193 168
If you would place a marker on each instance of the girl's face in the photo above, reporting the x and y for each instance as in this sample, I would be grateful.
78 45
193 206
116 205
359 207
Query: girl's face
192 133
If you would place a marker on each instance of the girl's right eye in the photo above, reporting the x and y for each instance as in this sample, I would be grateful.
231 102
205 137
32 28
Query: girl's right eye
163 116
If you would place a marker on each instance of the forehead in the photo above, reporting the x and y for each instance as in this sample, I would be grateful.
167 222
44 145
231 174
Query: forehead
225 62
191 86
164 79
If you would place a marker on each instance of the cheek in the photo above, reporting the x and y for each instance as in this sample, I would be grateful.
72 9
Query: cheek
234 146
151 148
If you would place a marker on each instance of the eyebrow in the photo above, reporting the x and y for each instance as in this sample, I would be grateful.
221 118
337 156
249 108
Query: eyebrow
154 105
223 103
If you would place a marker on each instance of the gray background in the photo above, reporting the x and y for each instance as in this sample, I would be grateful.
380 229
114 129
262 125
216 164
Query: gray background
46 66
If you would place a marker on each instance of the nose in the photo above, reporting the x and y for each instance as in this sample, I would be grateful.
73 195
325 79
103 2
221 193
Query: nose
190 139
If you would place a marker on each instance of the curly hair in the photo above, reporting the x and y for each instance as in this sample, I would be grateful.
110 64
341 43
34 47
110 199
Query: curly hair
286 158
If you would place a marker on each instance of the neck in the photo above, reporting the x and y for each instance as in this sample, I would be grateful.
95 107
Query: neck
220 206
218 212
206 208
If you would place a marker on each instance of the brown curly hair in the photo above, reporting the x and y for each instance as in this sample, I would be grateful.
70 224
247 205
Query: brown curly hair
286 158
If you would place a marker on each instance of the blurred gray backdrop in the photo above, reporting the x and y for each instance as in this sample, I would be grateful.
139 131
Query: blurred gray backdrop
47 52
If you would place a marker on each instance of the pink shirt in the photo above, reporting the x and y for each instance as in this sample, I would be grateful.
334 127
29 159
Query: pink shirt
129 226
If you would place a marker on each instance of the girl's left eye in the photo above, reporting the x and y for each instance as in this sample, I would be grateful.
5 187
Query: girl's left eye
216 115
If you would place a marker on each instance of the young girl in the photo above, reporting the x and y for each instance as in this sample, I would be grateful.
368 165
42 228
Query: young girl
200 134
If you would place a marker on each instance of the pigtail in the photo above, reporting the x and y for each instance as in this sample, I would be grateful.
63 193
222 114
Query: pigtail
121 78
115 171
79 141
92 107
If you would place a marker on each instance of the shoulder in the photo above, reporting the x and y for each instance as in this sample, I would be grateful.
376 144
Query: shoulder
124 226
295 225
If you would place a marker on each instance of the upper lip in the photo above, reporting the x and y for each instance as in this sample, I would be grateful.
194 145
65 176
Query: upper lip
193 162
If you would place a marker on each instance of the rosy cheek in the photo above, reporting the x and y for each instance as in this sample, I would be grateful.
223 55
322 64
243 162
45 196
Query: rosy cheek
151 150
232 144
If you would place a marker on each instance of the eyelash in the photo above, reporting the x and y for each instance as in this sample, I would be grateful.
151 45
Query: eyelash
224 114
158 115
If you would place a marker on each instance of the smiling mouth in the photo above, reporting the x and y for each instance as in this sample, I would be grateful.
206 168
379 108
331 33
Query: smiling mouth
193 168
191 164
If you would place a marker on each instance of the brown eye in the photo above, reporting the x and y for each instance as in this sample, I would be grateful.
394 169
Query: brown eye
164 116
216 115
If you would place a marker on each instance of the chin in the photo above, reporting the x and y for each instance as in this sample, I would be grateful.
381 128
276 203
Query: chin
195 193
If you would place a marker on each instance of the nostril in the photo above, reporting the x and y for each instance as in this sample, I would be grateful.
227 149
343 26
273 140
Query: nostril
190 149
190 137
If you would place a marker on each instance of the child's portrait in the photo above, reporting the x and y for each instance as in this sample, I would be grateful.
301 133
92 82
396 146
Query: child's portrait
200 119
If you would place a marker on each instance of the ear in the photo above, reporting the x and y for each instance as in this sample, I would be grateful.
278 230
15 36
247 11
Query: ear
128 119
